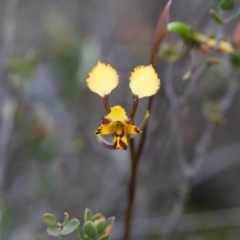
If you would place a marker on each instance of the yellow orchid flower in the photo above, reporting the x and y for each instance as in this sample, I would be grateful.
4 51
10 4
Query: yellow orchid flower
144 82
116 122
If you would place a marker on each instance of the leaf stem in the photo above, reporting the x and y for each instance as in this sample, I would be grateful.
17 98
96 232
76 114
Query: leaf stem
79 234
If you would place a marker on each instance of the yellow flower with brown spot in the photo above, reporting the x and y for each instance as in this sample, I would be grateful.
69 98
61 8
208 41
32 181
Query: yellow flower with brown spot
120 125
144 82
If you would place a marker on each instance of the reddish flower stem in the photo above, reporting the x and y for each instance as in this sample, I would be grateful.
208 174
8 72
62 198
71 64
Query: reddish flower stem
160 31
106 103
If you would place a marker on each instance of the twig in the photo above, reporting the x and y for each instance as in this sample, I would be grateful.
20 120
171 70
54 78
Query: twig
9 26
190 222
190 170
200 71
7 113
175 107
177 211
7 103
205 141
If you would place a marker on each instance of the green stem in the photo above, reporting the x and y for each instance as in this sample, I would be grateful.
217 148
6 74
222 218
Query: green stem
79 234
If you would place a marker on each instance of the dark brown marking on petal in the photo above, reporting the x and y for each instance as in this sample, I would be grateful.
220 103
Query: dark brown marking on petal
137 130
130 121
105 120
98 131
115 144
123 145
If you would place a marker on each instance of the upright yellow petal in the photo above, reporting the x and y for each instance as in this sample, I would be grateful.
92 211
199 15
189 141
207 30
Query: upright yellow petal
144 81
117 114
102 79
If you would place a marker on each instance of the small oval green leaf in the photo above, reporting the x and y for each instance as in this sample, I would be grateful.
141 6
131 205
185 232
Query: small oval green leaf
99 224
183 29
96 217
104 237
235 60
50 219
227 5
65 218
87 238
54 231
89 229
70 227
108 225
88 215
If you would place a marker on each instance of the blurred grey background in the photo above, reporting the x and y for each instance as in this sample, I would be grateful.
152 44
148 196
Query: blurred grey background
50 160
